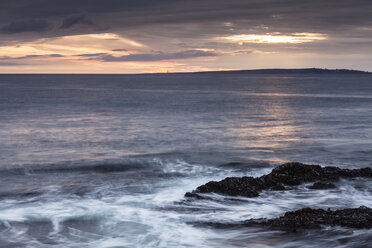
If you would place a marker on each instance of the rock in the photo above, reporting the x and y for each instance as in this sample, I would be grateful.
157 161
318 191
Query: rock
322 185
289 174
199 197
306 218
233 186
278 187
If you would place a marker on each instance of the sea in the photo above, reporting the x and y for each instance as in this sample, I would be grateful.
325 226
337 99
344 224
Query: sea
104 161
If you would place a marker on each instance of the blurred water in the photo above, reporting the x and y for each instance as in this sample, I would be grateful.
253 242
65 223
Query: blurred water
104 160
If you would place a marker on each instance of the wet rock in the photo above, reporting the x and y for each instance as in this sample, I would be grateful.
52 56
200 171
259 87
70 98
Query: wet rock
289 174
306 218
233 186
322 185
197 196
278 187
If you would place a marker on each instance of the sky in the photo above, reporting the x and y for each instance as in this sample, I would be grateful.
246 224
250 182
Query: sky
143 36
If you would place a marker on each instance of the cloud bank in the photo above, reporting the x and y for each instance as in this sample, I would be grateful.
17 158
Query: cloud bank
234 34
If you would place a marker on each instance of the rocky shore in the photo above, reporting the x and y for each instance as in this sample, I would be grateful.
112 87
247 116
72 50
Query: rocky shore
313 218
287 176
309 218
282 177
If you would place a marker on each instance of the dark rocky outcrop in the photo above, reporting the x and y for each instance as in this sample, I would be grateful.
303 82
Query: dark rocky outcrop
314 218
307 218
280 178
322 185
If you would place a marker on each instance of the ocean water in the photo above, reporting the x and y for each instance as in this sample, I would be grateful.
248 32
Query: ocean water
105 160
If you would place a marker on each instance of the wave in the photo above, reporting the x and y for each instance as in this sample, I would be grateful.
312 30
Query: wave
162 163
143 205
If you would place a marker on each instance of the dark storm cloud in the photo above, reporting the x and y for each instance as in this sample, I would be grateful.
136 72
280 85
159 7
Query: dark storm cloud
153 56
186 25
74 20
121 15
25 26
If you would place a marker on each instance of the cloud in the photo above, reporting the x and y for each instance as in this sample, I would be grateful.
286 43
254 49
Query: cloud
36 25
144 26
55 55
294 38
157 56
91 54
74 20
152 21
32 56
9 64
292 15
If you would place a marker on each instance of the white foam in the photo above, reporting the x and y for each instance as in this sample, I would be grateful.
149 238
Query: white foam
160 218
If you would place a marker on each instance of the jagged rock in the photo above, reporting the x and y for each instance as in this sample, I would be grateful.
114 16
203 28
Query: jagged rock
278 187
289 174
322 185
314 218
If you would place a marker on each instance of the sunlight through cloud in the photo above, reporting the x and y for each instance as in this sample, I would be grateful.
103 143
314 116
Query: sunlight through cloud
274 38
72 45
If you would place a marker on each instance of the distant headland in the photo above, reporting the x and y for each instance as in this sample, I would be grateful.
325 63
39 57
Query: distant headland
307 71
291 71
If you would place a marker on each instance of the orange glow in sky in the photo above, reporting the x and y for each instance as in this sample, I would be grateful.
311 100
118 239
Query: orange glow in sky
274 38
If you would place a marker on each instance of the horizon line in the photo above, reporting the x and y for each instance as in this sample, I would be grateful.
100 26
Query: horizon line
197 72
